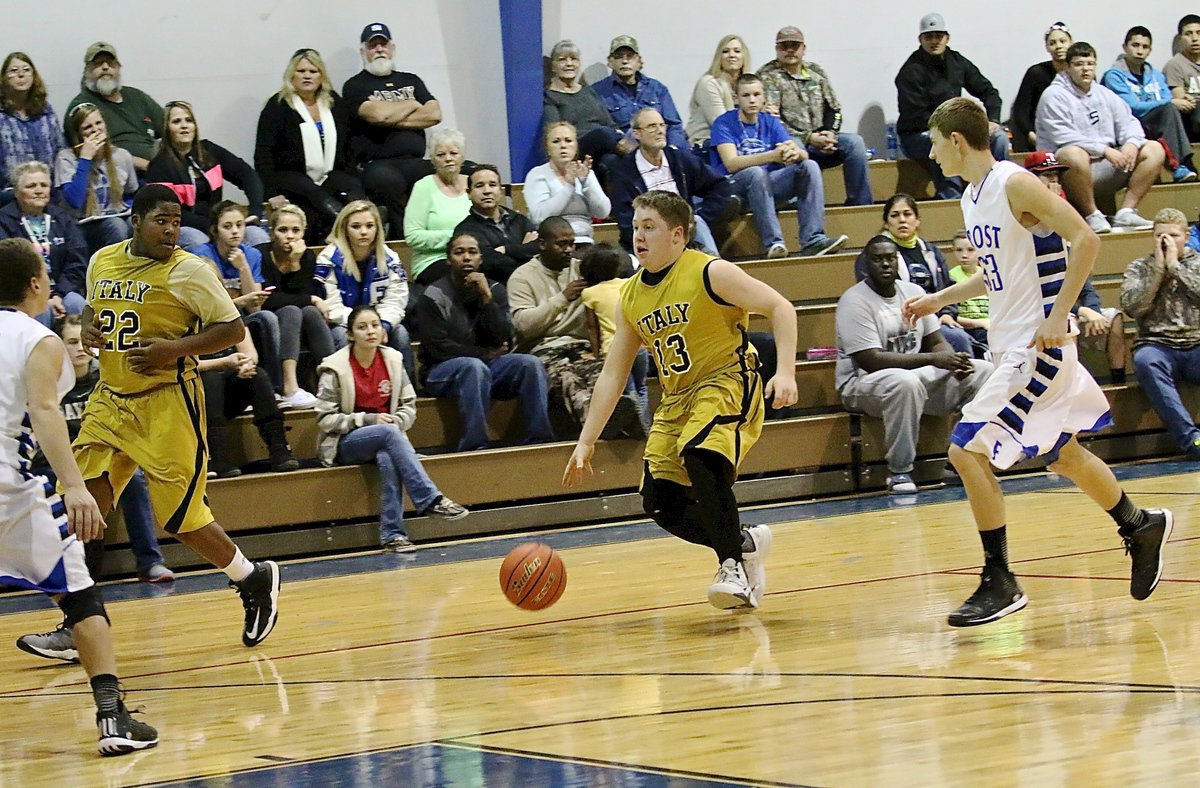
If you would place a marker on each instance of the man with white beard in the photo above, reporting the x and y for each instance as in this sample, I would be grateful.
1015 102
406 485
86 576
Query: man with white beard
389 112
133 119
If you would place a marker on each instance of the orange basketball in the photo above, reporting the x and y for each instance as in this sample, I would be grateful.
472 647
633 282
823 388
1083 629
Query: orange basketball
533 576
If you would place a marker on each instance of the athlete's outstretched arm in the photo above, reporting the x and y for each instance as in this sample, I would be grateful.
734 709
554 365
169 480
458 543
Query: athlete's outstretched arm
609 386
155 352
41 377
734 286
919 306
1027 196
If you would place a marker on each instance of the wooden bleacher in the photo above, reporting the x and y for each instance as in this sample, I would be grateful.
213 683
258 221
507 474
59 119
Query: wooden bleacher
824 451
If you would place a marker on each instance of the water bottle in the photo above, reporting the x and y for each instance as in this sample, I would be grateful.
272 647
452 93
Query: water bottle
893 143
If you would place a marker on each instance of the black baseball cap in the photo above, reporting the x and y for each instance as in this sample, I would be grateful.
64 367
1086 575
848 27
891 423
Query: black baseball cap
373 30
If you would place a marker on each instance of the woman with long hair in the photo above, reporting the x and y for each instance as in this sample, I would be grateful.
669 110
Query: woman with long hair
96 178
29 129
196 169
565 186
366 405
299 151
713 95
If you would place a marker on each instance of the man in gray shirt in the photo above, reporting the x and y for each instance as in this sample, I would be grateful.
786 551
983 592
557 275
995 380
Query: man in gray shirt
894 370
1162 292
1183 75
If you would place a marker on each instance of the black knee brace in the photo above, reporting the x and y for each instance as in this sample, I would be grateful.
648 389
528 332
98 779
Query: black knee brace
82 605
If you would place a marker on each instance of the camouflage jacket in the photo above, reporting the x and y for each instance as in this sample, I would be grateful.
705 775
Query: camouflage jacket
1166 305
806 102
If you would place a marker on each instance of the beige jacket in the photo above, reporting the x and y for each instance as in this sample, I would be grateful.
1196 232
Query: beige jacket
335 400
542 315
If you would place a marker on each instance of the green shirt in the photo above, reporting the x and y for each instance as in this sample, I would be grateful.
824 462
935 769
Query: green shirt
133 124
974 308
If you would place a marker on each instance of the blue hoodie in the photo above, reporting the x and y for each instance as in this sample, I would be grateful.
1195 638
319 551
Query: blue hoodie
1143 93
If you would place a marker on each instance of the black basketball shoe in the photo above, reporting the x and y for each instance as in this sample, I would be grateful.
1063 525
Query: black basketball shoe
260 597
997 596
1144 548
121 734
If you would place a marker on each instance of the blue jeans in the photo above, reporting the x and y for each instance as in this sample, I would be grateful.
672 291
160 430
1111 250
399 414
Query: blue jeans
1159 370
636 383
264 332
139 522
473 382
73 304
398 339
851 154
389 448
704 236
763 189
958 338
916 146
106 231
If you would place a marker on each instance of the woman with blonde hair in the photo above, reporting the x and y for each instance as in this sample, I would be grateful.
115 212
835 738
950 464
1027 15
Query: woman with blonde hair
438 203
357 268
29 129
96 178
565 186
299 151
713 95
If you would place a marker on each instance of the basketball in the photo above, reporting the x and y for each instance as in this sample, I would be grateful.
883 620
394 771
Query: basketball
533 576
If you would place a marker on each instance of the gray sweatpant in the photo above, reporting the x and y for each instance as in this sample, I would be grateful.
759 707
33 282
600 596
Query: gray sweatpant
901 396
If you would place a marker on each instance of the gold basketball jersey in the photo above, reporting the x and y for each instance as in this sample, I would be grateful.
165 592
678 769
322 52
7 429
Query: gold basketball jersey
691 332
137 297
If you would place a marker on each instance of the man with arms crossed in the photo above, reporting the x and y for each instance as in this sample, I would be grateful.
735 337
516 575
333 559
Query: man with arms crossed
1039 396
691 311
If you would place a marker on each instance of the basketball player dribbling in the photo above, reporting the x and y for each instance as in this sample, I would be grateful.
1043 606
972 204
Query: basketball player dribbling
691 311
1039 396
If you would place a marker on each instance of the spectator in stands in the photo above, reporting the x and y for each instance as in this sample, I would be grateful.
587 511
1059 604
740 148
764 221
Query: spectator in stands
973 314
1099 326
289 269
1037 78
547 312
1162 292
389 111
239 267
1094 133
713 95
1183 75
29 128
234 380
800 94
627 89
566 98
767 167
657 165
96 178
438 203
299 149
53 233
133 118
565 185
932 74
894 370
466 337
920 262
507 239
600 266
196 170
1145 90
367 405
358 269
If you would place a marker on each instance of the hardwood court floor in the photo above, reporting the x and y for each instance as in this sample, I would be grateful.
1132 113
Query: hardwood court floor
420 673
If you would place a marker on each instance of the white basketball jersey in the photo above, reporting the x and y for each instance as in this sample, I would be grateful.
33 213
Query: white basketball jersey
1023 268
19 333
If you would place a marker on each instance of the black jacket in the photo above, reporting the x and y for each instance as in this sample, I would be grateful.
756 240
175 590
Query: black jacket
68 252
509 232
451 326
693 178
295 288
1024 110
925 81
200 195
279 152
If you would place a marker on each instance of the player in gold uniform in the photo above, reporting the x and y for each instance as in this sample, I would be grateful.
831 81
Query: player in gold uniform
692 312
152 308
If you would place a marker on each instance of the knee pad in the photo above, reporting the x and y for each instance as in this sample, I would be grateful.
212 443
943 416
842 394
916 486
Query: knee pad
82 605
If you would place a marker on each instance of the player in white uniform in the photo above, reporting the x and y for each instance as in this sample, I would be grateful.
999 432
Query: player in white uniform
41 533
1039 396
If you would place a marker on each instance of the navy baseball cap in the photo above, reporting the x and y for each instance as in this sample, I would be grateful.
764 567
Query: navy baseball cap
373 30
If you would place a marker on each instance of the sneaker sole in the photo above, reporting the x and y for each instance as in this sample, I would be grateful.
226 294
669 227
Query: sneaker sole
65 656
728 598
249 641
1158 574
1013 608
762 550
119 745
408 548
836 244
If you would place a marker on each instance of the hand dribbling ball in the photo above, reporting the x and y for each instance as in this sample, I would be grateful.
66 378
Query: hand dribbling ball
533 576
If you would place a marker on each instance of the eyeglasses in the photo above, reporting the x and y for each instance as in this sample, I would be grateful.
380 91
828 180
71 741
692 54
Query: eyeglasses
789 45
651 126
564 58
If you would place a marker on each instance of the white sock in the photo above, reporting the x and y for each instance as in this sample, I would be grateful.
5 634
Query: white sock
239 568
